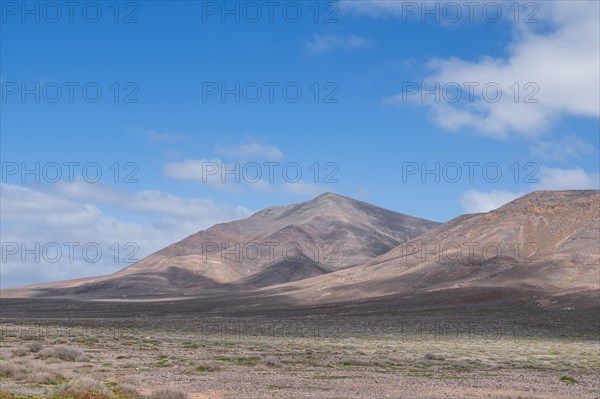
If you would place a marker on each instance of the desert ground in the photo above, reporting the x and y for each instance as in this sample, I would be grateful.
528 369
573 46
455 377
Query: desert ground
325 353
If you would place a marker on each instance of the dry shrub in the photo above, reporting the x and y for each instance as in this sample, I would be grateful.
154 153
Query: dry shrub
30 373
66 353
83 388
35 347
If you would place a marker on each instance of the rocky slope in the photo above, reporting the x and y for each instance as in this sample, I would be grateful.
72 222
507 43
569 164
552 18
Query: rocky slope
273 246
544 244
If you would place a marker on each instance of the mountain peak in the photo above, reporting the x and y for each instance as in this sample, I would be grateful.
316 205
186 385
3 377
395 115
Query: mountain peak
325 199
330 197
329 194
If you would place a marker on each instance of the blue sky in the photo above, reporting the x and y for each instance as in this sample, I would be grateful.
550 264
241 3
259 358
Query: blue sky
158 123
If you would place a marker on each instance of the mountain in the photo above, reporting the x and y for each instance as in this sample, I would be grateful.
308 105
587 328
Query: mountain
544 246
273 246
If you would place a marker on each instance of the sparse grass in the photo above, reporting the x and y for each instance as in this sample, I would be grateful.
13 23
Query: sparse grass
355 362
20 352
89 341
431 356
166 393
331 377
163 361
322 362
568 379
82 388
66 353
127 389
191 345
239 361
31 373
123 391
10 370
207 367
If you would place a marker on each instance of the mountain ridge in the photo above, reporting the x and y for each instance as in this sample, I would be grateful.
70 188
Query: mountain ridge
223 256
560 270
556 234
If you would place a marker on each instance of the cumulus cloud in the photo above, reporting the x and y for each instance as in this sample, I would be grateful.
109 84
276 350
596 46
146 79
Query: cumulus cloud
77 213
567 179
323 43
212 172
255 175
199 211
474 201
553 64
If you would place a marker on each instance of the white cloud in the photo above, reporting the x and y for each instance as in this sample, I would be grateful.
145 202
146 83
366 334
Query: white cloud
257 176
214 173
197 210
230 175
559 56
75 212
252 150
323 43
567 179
562 149
190 169
474 201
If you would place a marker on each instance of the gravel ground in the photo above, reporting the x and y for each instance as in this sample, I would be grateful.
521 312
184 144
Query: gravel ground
224 365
